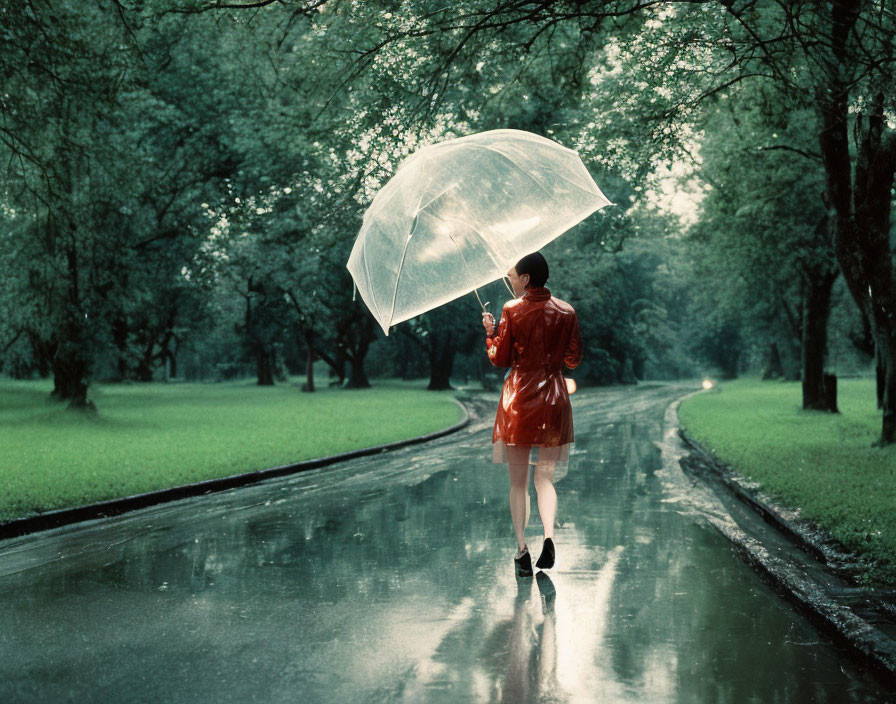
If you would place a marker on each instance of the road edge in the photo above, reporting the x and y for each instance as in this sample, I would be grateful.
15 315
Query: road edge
868 644
112 507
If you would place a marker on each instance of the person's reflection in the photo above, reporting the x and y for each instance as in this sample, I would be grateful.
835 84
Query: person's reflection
522 642
547 640
533 649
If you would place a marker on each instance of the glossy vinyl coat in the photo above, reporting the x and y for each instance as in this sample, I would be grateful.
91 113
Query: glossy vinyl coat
537 337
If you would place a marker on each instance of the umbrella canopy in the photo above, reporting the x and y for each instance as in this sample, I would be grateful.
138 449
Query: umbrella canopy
459 214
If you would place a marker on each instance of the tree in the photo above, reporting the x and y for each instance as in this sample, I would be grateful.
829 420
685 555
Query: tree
764 222
854 88
93 126
836 57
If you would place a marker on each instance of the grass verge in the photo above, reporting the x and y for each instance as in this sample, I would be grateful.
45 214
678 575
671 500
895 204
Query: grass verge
822 463
154 436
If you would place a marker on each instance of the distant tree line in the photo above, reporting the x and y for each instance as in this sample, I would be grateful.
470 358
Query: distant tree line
184 180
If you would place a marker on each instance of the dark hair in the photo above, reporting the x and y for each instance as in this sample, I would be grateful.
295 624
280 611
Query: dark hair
535 266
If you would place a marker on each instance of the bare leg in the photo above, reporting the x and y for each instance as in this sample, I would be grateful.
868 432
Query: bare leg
518 465
547 496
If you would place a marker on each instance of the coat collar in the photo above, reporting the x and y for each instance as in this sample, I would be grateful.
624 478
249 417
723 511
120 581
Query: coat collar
537 293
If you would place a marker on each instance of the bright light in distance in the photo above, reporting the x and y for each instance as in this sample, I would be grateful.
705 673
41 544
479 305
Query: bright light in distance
707 384
571 385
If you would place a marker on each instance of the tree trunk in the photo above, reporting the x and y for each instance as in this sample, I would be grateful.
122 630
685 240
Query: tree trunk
816 311
723 351
71 363
773 367
888 432
144 366
864 339
357 376
859 197
172 359
70 374
336 362
309 365
337 367
729 369
638 364
166 356
60 384
261 352
356 347
120 338
263 365
441 362
829 382
44 351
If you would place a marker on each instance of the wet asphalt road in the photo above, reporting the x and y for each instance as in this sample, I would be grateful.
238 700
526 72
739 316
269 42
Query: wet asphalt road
390 578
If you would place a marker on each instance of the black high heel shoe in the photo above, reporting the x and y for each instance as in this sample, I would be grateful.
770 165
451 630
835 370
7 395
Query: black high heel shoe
523 564
546 559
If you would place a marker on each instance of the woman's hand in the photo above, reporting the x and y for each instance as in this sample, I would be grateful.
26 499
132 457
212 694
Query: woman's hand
488 322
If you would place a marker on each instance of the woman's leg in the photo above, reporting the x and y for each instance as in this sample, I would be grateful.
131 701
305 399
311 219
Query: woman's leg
547 495
518 465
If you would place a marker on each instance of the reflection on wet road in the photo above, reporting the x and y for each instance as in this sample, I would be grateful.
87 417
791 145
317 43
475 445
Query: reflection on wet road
390 578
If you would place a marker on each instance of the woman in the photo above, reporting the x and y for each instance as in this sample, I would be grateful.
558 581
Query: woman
538 335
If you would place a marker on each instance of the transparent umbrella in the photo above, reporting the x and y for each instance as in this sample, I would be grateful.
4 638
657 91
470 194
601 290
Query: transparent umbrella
458 214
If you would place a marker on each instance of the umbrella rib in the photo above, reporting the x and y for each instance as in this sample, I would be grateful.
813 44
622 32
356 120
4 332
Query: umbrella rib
404 253
367 271
486 246
485 243
464 260
434 199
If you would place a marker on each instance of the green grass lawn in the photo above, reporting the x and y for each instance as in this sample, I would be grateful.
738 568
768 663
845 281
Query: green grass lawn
154 436
820 462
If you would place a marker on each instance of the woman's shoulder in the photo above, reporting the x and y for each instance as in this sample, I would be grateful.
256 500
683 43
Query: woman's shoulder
562 305
512 304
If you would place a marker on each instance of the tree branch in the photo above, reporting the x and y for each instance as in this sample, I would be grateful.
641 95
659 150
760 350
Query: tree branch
11 342
808 155
224 6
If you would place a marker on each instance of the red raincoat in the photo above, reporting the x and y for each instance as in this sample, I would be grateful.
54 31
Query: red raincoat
537 336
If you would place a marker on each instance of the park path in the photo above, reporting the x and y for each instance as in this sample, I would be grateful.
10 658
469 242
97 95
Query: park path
390 578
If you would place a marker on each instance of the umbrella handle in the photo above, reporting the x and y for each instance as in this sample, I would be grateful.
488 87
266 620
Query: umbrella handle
484 310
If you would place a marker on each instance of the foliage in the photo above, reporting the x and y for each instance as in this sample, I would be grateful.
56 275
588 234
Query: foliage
198 201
